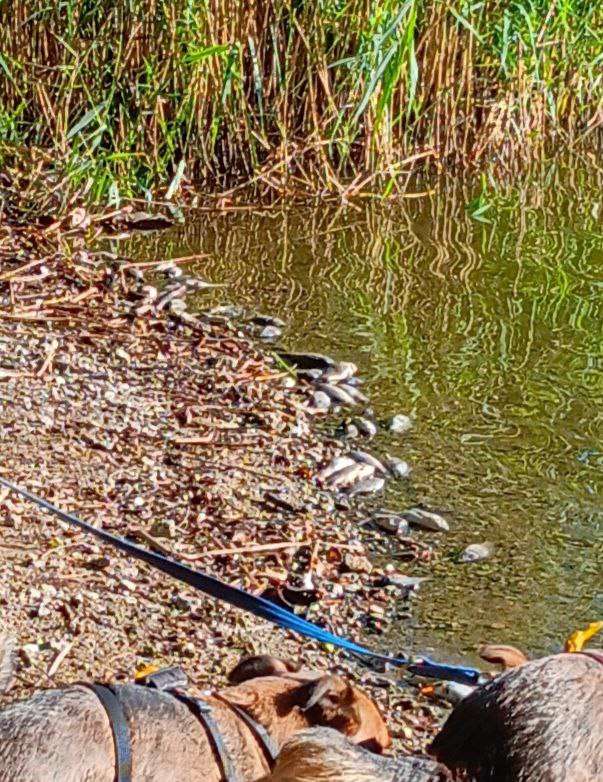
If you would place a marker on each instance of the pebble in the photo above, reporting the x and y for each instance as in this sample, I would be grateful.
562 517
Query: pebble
270 332
476 552
398 424
426 519
396 467
321 401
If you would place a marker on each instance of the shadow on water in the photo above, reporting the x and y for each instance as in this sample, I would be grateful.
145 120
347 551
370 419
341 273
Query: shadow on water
489 335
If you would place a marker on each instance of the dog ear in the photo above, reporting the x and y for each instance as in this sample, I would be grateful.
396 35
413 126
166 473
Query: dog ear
258 665
330 701
506 656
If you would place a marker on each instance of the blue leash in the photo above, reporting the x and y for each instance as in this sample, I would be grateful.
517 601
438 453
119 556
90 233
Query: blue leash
259 606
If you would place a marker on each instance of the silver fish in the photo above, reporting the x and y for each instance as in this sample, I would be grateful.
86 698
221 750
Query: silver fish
366 486
349 475
426 519
367 458
338 463
337 394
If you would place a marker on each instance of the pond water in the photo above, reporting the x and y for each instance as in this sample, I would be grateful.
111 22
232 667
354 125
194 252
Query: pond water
489 335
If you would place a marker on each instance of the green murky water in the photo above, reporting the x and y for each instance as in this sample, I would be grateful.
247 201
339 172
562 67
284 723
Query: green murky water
489 335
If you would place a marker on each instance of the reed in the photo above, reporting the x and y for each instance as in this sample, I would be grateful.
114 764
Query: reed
298 97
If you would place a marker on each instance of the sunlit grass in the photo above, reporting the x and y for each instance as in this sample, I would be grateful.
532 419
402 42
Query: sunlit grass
336 96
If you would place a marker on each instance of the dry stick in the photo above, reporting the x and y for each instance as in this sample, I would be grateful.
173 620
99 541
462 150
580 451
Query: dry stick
56 663
21 269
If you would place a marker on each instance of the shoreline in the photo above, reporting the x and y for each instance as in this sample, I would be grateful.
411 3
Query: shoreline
181 431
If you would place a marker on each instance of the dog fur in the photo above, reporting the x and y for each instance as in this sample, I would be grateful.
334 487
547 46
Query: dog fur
65 734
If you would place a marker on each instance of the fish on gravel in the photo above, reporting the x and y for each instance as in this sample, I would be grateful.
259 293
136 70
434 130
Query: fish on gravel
369 485
337 394
425 519
307 360
338 463
367 458
477 552
349 475
391 523
342 370
355 393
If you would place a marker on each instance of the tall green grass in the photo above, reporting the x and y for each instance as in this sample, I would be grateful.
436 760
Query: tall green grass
296 96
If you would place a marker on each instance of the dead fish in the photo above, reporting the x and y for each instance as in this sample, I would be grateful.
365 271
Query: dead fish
367 458
338 463
342 370
476 552
267 320
391 523
355 393
396 467
398 424
369 485
337 394
145 221
365 427
307 360
406 584
311 375
425 519
349 475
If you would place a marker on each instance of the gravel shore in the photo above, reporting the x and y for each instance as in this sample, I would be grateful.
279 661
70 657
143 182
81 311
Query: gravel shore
179 432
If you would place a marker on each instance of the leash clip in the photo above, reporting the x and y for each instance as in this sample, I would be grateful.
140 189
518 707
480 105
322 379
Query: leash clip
166 679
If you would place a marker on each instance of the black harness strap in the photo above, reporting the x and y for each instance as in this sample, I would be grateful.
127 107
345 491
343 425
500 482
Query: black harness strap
203 712
119 727
259 732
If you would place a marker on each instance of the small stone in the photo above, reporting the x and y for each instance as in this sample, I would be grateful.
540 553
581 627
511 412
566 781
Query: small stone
164 528
321 401
399 424
476 552
181 603
270 332
356 563
396 467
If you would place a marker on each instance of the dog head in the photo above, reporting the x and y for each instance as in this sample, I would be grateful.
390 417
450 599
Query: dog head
314 699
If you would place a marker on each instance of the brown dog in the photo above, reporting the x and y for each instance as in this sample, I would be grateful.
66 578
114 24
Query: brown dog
323 755
540 721
65 734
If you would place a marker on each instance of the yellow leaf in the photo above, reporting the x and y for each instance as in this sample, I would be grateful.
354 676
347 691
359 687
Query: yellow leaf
578 638
145 670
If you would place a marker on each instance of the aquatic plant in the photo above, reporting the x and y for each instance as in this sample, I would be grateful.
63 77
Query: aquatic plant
296 97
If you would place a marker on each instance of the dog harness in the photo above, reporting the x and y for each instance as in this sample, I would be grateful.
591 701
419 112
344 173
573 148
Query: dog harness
173 681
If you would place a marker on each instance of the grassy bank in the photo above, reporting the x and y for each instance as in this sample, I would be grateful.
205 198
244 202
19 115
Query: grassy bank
300 97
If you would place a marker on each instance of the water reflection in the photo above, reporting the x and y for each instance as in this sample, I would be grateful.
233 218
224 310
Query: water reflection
489 334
